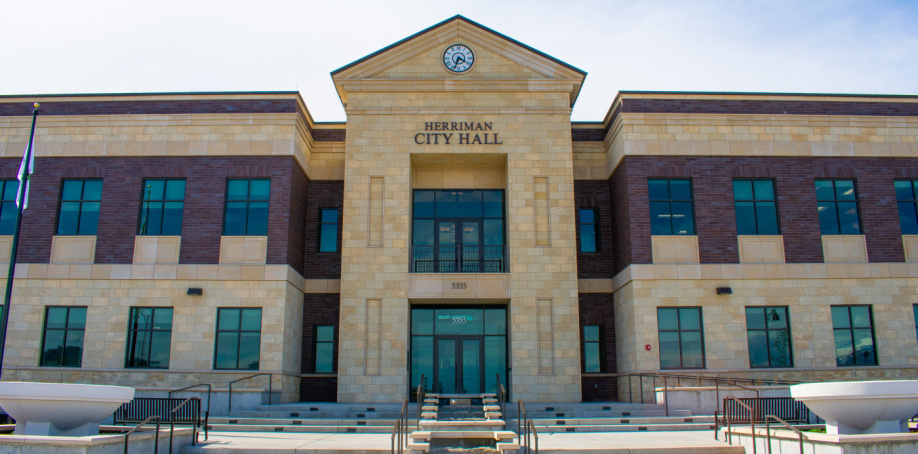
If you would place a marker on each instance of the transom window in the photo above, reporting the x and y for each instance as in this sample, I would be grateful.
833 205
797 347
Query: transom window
162 207
756 207
247 207
79 210
8 210
328 230
588 230
238 338
62 344
681 338
854 337
907 199
671 208
768 332
458 231
837 202
149 337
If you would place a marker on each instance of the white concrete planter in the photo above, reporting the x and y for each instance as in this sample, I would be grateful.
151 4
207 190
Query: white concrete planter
860 406
60 409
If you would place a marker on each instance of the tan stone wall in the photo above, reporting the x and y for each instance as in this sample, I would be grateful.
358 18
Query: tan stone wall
671 134
536 142
109 301
808 291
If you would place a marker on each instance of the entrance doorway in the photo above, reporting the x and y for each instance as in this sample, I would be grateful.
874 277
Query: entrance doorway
460 350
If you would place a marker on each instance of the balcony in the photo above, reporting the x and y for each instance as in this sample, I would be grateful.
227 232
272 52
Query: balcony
459 259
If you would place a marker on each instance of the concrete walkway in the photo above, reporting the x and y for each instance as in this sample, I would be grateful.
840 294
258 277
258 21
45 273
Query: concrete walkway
681 442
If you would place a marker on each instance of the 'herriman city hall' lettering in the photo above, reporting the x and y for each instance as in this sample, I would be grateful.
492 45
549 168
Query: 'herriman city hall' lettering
442 138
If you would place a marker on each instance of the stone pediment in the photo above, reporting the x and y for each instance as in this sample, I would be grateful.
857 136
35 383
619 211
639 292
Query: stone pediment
416 64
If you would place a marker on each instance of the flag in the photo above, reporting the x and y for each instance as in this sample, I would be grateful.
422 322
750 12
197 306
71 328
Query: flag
23 176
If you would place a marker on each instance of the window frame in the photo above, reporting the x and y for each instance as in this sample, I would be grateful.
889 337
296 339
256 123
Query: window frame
913 202
317 342
239 331
835 201
594 224
8 205
766 330
132 337
850 329
66 329
679 330
82 202
248 201
670 200
755 200
337 225
599 347
144 213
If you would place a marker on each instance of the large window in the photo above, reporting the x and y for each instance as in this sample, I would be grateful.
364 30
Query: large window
79 209
671 209
768 332
325 348
681 338
592 348
328 230
62 343
854 341
588 230
247 207
907 198
837 202
458 231
161 207
756 207
149 337
238 338
8 210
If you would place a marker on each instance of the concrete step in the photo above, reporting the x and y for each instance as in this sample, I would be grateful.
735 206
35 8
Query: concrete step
624 428
512 413
613 421
300 421
299 428
319 414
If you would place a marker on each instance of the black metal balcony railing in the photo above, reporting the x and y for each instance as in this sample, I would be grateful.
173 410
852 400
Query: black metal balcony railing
459 259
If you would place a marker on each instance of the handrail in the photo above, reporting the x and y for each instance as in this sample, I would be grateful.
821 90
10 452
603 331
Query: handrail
155 438
786 424
699 379
501 397
194 429
751 421
270 380
400 425
526 428
208 385
421 396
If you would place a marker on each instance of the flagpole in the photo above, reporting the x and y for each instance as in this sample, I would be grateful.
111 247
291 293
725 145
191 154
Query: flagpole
8 297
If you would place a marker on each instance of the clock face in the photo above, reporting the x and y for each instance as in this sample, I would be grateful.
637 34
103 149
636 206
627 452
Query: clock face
458 58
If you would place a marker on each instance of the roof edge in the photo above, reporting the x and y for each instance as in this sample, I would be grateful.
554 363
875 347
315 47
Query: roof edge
470 22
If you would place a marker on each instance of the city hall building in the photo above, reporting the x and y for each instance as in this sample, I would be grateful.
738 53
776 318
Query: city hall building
459 226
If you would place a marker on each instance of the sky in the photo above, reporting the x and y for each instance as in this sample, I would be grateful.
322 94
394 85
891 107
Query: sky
127 46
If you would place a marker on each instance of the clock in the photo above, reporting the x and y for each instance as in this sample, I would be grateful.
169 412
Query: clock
458 58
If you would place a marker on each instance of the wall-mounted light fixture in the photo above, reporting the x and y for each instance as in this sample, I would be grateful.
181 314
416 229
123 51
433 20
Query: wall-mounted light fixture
724 291
195 291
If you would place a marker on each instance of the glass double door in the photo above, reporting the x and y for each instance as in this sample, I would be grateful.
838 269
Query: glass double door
459 360
458 245
458 349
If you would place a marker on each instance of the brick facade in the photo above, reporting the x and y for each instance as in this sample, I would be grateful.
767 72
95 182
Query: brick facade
322 194
598 309
205 190
595 194
318 309
715 220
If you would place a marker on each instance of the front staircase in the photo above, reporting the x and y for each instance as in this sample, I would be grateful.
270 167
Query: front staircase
325 417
